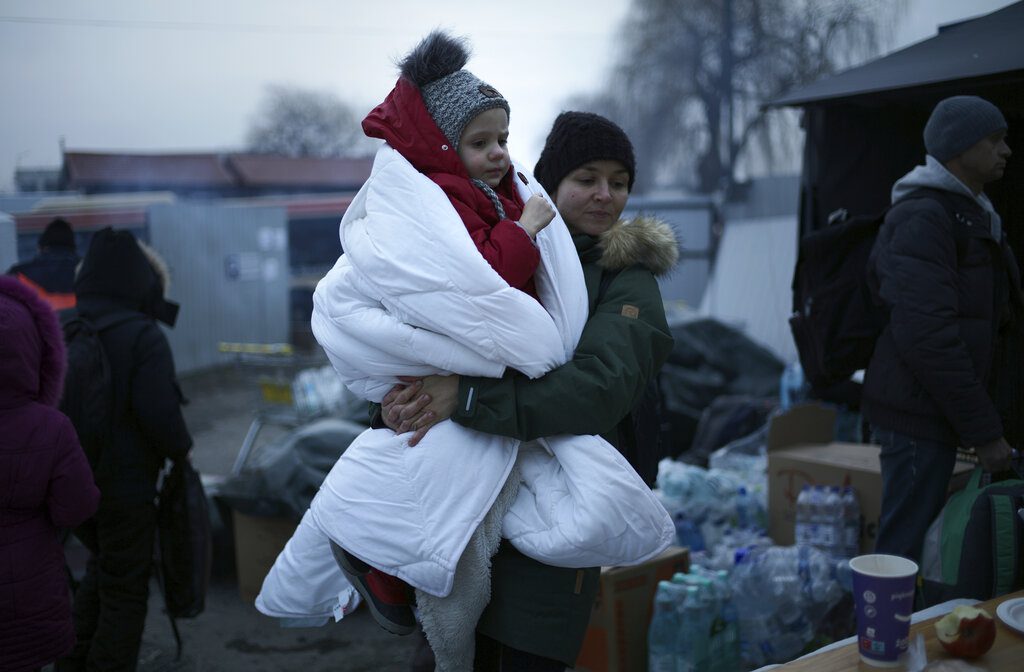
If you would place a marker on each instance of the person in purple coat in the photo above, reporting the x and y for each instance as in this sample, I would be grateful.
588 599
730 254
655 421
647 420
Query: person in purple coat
45 483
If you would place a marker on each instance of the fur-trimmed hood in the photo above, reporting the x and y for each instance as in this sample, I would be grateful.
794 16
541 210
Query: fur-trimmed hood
32 360
125 272
643 240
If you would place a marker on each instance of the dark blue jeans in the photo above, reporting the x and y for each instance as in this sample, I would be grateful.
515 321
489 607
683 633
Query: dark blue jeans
915 478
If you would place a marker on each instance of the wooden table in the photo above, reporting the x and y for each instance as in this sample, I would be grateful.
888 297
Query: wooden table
1006 655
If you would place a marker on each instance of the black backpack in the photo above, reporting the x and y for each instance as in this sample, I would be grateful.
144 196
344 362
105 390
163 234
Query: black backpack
643 434
835 321
88 398
184 543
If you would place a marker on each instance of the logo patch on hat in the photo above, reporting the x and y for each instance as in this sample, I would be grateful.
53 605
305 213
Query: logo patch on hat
630 311
488 91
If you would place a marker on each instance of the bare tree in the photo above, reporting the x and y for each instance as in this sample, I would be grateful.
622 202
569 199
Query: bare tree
694 74
293 121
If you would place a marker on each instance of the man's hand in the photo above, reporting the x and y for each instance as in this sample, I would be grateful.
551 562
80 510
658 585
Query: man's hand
994 456
419 403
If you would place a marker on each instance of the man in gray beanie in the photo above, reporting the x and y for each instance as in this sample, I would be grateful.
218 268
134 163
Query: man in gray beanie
942 266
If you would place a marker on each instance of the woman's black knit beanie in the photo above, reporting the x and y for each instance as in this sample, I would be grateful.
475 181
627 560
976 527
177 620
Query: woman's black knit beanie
575 139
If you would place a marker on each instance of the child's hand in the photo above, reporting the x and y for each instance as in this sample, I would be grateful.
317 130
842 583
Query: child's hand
537 213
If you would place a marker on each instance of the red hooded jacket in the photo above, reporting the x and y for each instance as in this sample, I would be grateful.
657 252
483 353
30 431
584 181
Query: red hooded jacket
403 121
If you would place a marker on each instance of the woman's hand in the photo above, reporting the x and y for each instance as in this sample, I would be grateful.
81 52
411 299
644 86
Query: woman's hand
537 213
403 401
419 403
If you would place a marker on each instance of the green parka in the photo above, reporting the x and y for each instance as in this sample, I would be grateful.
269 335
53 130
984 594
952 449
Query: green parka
534 607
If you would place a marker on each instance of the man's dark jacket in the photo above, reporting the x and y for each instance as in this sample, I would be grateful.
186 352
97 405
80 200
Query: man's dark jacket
52 274
952 290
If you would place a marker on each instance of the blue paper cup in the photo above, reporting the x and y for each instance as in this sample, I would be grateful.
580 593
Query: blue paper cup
883 594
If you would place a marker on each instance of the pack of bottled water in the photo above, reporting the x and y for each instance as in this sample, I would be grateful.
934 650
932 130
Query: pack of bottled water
746 460
786 590
695 627
698 625
709 507
828 518
734 540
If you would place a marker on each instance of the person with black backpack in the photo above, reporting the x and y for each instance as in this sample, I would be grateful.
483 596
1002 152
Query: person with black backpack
538 614
120 295
948 278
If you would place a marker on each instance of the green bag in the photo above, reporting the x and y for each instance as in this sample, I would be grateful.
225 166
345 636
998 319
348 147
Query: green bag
975 548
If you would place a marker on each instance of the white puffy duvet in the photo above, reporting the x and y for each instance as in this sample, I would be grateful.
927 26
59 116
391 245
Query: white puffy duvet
411 295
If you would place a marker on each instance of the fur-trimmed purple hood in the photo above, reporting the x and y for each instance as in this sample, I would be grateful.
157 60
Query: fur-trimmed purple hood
32 361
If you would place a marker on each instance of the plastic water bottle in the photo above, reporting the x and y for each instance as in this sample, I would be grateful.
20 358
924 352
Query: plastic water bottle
748 579
819 517
744 509
730 648
711 645
304 390
821 590
804 517
714 594
696 611
662 634
691 647
844 575
787 623
851 523
688 533
719 513
832 522
749 513
791 385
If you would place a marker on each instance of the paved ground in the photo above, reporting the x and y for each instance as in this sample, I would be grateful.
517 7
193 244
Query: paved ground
231 635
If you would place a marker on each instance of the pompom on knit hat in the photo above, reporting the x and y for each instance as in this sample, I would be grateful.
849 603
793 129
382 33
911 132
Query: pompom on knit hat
957 123
453 96
58 233
579 137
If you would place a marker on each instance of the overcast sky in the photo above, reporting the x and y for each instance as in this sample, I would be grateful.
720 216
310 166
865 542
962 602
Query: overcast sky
188 75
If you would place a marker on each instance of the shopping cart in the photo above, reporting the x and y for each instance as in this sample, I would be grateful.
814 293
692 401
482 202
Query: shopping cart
273 367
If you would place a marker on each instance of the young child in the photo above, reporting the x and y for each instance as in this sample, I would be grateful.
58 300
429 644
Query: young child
453 128
455 132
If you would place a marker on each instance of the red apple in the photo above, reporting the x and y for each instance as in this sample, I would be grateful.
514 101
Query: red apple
966 632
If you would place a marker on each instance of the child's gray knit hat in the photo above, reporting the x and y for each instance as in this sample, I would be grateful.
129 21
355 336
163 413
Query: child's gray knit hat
453 96
957 123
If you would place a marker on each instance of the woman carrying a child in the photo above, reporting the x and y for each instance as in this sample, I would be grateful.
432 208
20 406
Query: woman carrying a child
414 296
538 613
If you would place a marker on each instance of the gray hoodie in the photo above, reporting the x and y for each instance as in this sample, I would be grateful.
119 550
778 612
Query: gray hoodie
934 175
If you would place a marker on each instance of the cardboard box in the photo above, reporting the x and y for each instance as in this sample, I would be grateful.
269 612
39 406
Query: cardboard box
616 640
801 425
839 464
258 541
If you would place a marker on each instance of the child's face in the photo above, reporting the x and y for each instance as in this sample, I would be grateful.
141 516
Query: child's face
482 146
